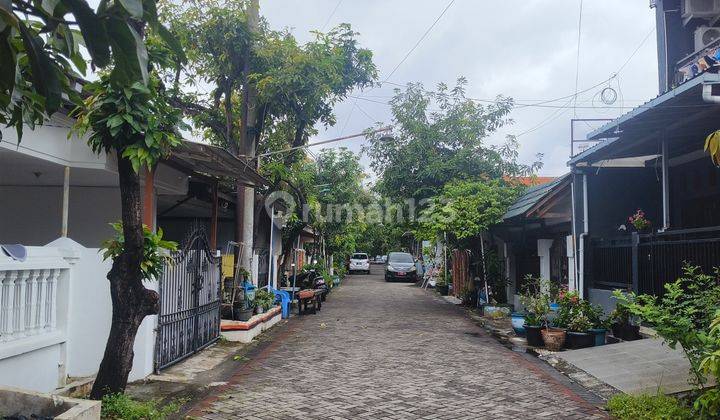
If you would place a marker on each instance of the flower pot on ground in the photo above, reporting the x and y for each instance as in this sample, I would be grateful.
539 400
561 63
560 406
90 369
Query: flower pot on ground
244 313
598 335
553 338
626 332
443 289
578 336
533 335
518 323
579 340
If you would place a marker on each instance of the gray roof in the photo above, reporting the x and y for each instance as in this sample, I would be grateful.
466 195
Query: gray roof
531 197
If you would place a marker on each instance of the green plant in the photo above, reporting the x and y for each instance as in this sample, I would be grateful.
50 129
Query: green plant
156 251
683 315
648 407
122 407
264 298
532 319
639 221
580 323
569 303
536 297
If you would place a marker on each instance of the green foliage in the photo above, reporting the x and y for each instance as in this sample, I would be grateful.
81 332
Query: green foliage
648 407
135 121
122 407
536 296
683 315
466 208
42 56
156 251
264 298
430 148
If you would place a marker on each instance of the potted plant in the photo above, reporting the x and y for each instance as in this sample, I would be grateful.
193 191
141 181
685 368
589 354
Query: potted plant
518 323
578 336
244 310
639 222
620 318
264 300
599 324
533 328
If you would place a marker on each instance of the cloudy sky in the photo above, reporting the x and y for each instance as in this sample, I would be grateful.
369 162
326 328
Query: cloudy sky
525 49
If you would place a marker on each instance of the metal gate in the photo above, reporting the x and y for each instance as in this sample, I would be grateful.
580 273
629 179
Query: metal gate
189 317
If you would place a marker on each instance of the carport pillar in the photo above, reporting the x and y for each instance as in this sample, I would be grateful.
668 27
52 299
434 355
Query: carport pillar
543 252
65 203
665 186
214 218
149 199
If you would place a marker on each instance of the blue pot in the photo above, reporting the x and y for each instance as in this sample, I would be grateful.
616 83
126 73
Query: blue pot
554 307
599 334
518 323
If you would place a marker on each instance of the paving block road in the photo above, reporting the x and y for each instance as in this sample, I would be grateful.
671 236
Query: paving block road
391 351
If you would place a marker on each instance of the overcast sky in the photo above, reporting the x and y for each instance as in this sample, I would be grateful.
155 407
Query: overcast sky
525 49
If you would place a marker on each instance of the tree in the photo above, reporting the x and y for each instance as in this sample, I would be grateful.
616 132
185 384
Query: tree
40 60
340 216
297 85
431 147
466 208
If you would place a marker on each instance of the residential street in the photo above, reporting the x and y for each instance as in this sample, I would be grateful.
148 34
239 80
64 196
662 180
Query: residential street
391 350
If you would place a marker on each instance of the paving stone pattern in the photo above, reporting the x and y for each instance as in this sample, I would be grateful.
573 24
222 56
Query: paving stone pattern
390 350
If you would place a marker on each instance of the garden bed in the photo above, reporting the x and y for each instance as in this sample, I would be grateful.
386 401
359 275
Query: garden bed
245 331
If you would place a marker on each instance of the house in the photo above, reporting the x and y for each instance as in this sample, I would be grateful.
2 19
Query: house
652 159
57 199
535 235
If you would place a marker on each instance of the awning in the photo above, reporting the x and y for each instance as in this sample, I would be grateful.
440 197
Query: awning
214 161
680 116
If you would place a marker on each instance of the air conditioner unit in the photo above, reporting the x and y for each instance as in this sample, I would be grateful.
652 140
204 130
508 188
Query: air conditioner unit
705 35
703 9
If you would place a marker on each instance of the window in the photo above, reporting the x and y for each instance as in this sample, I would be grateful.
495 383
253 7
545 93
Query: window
359 257
401 257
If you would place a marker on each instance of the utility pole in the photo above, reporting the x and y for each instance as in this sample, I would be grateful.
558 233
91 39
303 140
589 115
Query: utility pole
245 196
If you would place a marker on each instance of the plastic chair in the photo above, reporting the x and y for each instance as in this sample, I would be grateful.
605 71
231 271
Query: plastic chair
283 298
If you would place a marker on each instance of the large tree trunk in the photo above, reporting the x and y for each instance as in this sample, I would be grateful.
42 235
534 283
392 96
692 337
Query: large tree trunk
131 301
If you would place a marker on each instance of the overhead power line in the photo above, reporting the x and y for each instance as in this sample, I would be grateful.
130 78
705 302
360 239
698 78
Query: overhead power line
304 146
337 6
577 59
424 35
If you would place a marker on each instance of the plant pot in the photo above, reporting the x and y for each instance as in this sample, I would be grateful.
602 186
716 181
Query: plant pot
518 323
533 335
244 314
579 340
626 332
553 338
443 289
599 335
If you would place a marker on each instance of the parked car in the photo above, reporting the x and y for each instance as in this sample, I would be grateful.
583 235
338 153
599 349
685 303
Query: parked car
400 266
359 261
383 259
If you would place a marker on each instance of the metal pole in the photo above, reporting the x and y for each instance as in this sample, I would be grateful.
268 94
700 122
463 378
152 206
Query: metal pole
65 203
482 252
271 258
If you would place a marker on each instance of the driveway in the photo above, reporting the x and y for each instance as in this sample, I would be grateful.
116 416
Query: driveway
391 350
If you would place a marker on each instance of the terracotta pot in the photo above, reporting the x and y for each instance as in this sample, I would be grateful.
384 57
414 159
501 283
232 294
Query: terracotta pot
554 339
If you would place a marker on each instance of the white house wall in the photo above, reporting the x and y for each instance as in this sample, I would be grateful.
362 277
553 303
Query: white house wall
32 215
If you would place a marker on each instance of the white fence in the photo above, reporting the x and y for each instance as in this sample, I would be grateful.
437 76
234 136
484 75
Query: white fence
28 302
55 315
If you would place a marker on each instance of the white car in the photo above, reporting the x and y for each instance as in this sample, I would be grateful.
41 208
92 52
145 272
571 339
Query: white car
359 262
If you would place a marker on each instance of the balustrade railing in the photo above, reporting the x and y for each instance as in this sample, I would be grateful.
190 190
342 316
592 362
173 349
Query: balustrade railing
28 302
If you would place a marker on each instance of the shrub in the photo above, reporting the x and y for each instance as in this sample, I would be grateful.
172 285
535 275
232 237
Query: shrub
122 407
648 407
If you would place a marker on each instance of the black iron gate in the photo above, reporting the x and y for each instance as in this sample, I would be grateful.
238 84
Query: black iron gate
189 317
